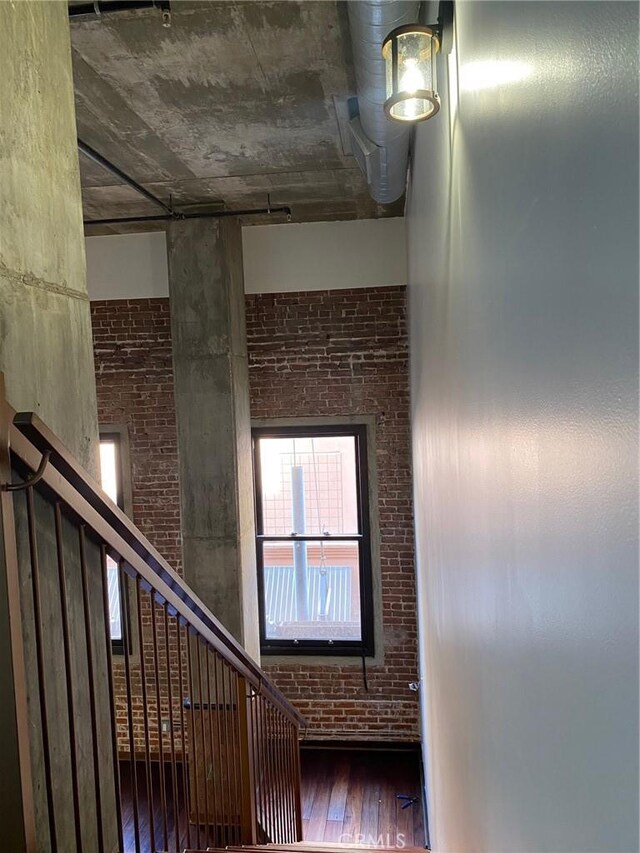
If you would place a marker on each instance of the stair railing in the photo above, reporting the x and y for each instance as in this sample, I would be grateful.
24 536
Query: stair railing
181 740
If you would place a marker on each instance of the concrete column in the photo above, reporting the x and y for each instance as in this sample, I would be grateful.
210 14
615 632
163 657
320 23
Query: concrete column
206 289
45 326
47 359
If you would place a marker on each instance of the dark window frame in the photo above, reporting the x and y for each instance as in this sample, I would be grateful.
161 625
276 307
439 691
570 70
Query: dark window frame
338 648
116 437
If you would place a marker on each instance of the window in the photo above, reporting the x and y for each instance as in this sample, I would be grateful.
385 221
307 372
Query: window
111 481
312 542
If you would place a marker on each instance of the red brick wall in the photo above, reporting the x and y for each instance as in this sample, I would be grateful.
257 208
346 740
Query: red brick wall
317 354
134 378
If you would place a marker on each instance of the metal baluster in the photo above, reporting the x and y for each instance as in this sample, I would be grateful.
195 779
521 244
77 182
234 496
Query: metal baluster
37 618
193 758
288 757
183 731
284 785
297 783
218 727
205 757
268 762
237 747
231 758
163 792
66 647
215 753
145 715
172 743
114 732
279 775
235 796
257 760
127 677
92 687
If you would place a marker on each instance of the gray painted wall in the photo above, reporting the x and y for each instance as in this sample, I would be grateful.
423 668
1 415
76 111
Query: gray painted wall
523 280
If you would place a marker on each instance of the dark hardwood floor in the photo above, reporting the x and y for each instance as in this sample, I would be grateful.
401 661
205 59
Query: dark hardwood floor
347 795
350 796
148 841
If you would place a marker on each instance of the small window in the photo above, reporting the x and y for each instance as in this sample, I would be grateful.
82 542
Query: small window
313 548
111 481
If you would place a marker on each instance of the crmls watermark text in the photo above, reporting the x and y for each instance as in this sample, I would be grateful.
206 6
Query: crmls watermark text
382 840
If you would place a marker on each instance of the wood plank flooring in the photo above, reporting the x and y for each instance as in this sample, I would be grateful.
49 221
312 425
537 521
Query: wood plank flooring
347 796
350 796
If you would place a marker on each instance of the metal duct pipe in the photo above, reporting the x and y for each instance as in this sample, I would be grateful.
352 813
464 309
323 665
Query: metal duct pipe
381 147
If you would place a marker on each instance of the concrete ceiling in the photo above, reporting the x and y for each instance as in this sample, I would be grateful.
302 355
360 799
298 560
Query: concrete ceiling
236 100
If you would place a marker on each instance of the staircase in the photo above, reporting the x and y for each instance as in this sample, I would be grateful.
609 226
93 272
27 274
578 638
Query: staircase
180 742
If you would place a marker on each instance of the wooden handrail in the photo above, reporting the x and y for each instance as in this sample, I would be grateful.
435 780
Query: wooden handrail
181 669
30 439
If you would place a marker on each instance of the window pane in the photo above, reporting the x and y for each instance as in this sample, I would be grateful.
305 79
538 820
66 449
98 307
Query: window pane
109 469
312 591
113 581
109 482
309 485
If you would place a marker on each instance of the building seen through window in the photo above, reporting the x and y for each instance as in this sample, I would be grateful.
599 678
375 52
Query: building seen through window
110 477
312 543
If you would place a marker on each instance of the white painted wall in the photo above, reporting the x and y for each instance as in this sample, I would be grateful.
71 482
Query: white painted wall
321 255
127 266
523 295
277 258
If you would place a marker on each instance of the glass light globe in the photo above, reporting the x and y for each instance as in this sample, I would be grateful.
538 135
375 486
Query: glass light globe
410 61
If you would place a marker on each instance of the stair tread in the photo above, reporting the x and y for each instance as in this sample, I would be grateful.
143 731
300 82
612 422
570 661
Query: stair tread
327 846
306 847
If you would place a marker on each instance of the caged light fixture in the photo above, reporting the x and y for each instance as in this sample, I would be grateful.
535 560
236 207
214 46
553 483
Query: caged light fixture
409 54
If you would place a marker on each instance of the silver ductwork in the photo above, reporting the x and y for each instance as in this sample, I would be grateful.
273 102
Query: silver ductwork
380 146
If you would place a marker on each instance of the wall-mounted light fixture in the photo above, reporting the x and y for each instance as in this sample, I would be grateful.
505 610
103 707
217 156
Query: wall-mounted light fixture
409 53
410 59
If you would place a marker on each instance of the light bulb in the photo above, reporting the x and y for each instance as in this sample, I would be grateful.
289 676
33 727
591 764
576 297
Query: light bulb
411 108
412 79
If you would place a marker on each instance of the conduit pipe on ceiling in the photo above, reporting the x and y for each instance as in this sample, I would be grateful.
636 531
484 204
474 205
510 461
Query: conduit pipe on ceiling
169 212
96 8
178 216
380 146
92 154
